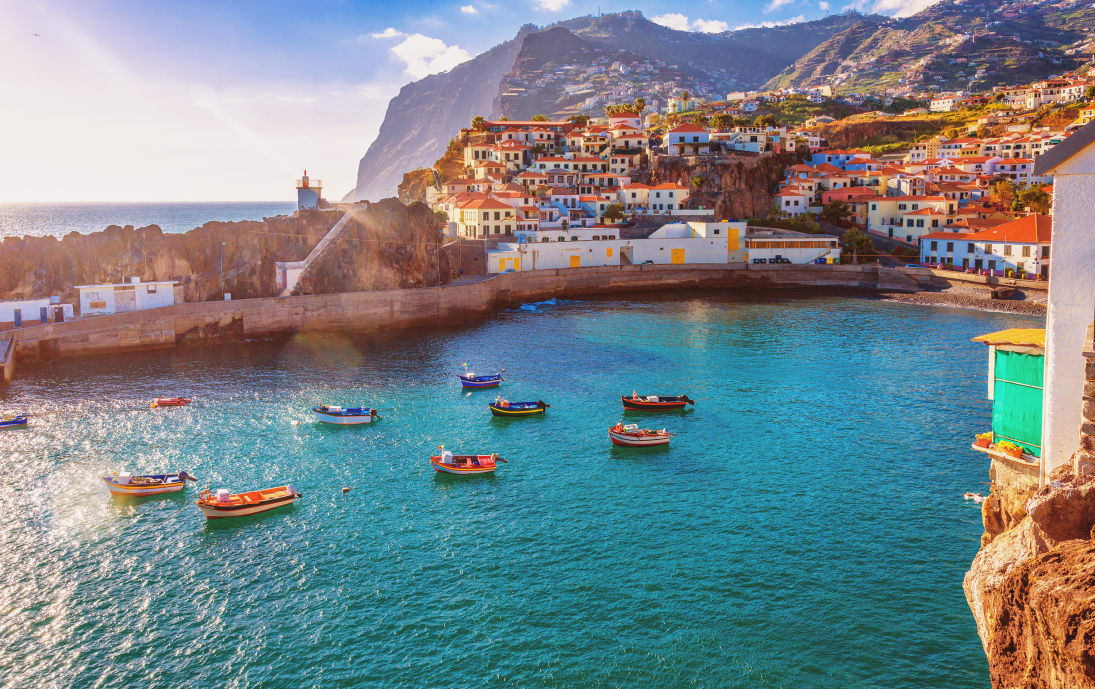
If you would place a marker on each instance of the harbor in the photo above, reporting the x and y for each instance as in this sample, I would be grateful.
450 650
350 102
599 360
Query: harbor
573 543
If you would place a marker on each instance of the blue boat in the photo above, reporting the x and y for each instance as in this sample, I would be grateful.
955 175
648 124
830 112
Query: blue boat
345 416
470 380
13 421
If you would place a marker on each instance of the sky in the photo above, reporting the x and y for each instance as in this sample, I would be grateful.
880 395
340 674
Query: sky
138 100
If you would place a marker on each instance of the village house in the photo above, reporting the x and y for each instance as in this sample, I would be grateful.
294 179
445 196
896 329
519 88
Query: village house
1019 248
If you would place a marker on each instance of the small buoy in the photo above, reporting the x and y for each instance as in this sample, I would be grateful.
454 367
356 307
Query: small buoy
153 405
346 489
295 423
467 394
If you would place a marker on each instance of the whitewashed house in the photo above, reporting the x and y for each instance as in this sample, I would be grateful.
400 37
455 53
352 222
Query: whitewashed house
129 296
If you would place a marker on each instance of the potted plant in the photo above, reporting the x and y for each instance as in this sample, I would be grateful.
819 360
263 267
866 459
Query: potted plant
1010 448
984 439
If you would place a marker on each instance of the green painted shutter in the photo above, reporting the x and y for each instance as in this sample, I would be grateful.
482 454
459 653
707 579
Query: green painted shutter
1017 400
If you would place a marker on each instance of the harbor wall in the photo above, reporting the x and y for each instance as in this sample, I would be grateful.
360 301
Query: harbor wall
7 360
382 311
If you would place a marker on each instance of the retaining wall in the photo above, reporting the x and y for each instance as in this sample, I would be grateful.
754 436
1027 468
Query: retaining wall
383 311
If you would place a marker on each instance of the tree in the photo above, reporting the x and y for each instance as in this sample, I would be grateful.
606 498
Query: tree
685 95
477 122
1004 191
538 118
654 119
1089 93
579 120
858 243
1036 198
837 213
614 212
639 104
722 121
696 182
503 118
442 217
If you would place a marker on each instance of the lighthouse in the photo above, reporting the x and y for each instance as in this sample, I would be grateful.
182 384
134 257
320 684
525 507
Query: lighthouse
309 192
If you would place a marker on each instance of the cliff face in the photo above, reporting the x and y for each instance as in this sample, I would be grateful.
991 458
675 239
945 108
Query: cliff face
844 134
44 266
738 187
387 246
1031 587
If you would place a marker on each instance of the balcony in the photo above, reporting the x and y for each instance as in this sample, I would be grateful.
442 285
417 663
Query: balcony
309 184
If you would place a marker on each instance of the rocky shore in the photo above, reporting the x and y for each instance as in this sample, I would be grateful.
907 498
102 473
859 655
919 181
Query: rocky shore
969 296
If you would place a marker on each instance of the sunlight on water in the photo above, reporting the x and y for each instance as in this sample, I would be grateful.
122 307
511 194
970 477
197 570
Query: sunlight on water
804 529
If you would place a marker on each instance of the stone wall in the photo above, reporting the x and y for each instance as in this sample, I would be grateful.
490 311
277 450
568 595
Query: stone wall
385 310
1083 461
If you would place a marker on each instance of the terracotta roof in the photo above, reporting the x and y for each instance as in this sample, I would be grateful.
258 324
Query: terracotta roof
687 129
625 113
1033 229
487 204
948 235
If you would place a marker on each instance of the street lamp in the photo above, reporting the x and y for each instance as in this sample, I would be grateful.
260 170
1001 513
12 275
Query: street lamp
223 244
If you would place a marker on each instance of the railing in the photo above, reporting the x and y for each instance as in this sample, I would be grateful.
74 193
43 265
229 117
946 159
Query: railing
311 184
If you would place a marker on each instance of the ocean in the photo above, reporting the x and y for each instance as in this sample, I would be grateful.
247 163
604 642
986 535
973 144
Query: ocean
58 219
805 528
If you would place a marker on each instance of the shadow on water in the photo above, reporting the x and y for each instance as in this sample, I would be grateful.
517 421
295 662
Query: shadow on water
638 453
241 522
179 497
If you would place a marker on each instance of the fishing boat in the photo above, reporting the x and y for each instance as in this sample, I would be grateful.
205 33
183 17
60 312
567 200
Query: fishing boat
501 407
631 435
222 504
13 421
638 402
465 465
470 380
344 416
171 402
150 484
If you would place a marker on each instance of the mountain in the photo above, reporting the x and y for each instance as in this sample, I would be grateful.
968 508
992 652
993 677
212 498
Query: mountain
968 45
538 72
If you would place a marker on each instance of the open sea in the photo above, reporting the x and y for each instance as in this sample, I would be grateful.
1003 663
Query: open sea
58 219
804 529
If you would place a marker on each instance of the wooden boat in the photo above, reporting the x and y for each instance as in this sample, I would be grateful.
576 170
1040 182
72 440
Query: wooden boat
150 484
344 416
470 380
13 421
654 402
171 402
501 407
633 436
465 465
222 504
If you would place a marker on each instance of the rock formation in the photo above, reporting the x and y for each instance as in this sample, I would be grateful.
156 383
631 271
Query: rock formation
1031 587
736 187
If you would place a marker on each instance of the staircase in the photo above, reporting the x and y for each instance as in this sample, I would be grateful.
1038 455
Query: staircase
332 234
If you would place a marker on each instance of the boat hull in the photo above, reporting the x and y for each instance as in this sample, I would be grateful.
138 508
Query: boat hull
633 404
171 402
480 383
340 420
18 422
627 440
137 489
228 512
460 469
510 412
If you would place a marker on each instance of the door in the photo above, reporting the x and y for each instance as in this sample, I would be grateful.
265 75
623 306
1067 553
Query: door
676 255
575 261
18 317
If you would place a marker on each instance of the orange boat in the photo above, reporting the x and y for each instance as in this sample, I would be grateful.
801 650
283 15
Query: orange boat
465 465
223 504
171 402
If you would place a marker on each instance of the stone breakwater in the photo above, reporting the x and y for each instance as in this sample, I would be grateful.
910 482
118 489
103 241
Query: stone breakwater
379 312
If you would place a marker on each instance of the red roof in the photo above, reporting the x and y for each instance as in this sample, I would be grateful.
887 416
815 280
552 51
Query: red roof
949 235
487 204
1033 229
625 113
687 129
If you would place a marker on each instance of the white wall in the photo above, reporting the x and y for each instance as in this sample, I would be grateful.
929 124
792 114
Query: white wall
1071 307
103 294
164 295
801 256
30 310
696 250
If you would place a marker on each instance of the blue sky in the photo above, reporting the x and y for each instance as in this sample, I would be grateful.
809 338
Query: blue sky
118 100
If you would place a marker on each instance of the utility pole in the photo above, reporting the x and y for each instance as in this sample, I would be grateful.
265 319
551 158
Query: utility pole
223 244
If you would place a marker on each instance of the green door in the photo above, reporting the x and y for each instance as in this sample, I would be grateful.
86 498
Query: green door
1017 400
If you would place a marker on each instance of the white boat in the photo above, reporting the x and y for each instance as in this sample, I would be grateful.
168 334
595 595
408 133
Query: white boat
344 416
630 435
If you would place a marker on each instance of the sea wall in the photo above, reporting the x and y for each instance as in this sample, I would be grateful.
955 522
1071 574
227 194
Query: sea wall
386 310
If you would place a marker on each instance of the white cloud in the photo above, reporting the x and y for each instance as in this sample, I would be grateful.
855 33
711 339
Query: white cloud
894 8
550 5
469 9
774 5
423 55
675 20
389 32
768 25
823 6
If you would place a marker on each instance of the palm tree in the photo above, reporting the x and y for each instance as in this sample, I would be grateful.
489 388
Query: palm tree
696 182
477 122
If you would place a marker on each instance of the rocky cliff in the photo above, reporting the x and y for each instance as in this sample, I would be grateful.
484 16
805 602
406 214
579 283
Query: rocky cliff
736 187
45 266
1032 585
388 246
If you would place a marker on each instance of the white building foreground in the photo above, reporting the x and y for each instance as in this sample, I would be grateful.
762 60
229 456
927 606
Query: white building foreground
127 296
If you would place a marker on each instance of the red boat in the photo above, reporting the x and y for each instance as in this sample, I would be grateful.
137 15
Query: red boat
654 402
171 402
633 436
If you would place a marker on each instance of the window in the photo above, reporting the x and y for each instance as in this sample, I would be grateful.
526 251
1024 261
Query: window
1007 249
992 265
988 248
1026 252
935 245
152 288
969 248
1045 251
950 247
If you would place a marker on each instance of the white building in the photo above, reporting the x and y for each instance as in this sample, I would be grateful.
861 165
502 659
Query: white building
766 246
32 311
130 296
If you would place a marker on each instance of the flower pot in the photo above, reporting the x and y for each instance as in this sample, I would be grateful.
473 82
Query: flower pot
1014 453
983 442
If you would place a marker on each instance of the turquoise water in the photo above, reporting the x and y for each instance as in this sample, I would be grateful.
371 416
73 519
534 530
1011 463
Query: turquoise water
803 530
58 219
